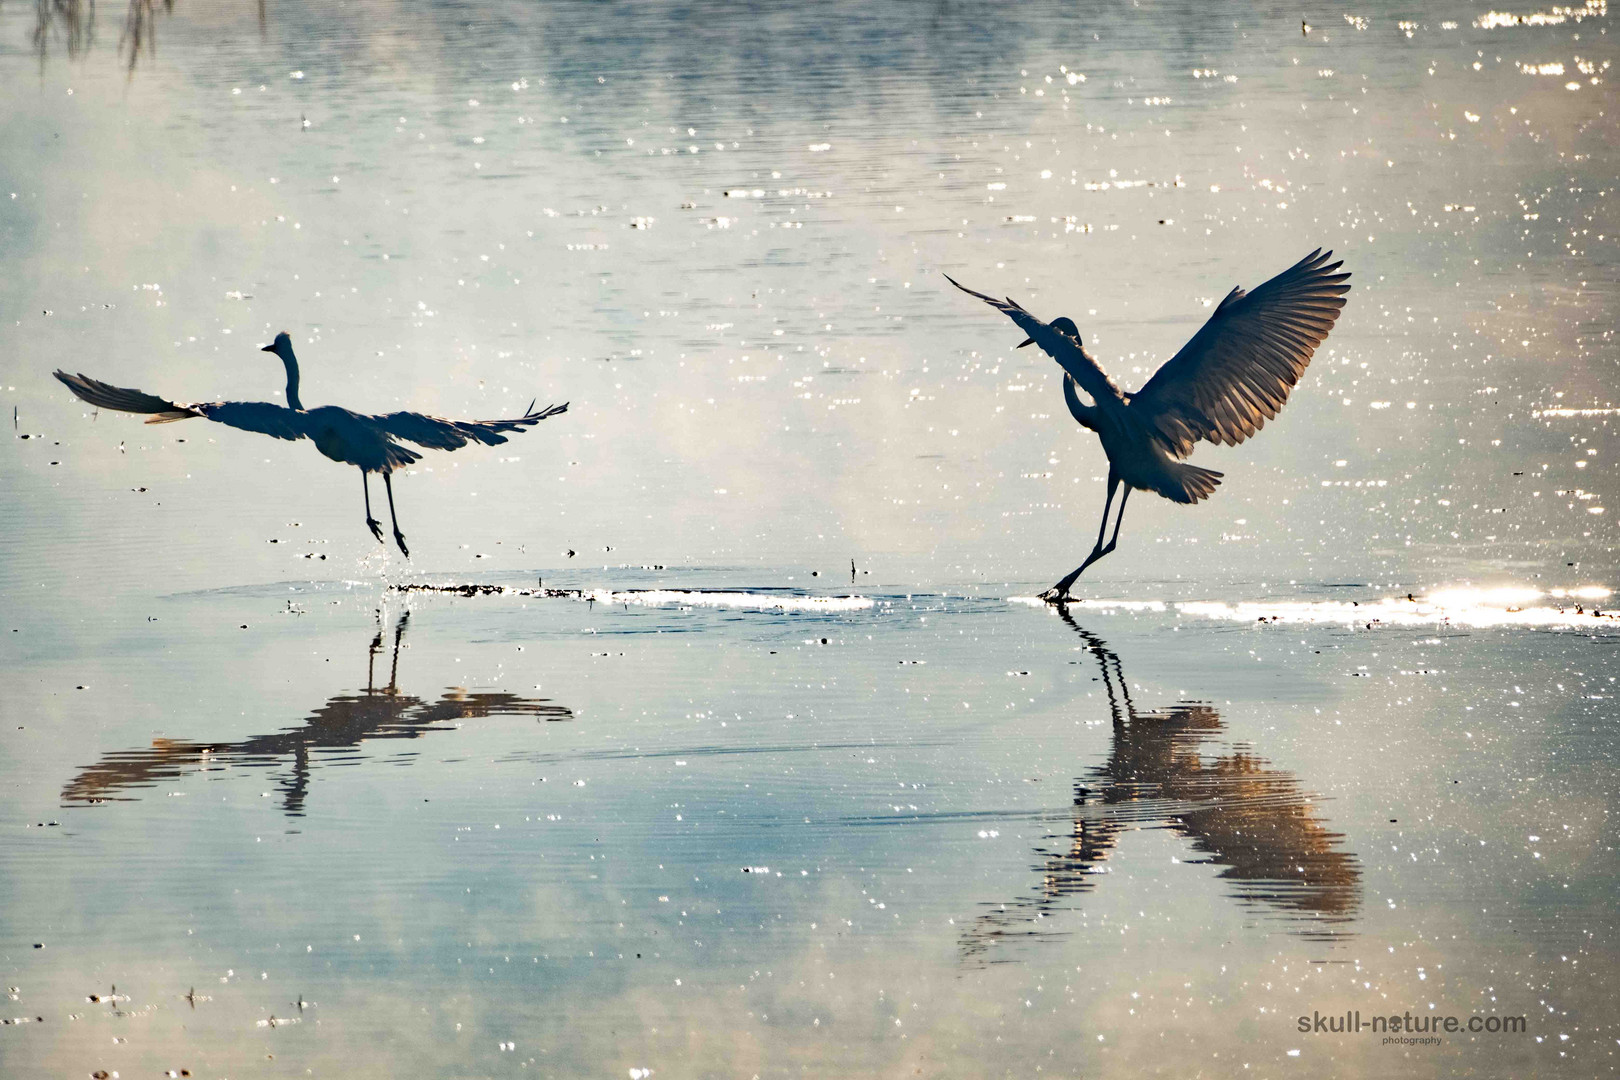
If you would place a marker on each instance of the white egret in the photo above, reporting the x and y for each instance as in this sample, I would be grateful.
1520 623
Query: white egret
1224 384
352 438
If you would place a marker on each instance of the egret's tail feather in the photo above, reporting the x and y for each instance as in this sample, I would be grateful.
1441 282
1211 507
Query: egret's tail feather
1190 484
107 396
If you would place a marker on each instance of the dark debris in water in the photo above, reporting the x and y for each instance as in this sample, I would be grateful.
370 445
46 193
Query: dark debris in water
492 590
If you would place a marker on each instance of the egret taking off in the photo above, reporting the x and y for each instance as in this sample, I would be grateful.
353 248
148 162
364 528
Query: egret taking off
1223 385
352 438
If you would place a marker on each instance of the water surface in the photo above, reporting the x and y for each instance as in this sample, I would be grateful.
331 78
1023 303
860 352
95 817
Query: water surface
754 756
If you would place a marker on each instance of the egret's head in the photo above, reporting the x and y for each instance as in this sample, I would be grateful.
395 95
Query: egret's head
1063 325
282 346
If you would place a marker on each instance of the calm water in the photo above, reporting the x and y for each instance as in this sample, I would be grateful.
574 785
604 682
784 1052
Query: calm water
787 775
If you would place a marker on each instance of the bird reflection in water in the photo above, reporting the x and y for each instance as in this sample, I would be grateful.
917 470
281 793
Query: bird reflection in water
328 736
72 24
1232 806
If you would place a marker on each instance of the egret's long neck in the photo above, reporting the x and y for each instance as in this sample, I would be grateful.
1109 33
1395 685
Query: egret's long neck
1085 415
1090 375
290 362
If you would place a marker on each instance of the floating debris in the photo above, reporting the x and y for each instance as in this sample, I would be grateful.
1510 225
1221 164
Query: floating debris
756 601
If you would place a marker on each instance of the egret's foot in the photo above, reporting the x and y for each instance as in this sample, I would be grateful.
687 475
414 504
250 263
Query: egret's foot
1055 595
376 529
399 538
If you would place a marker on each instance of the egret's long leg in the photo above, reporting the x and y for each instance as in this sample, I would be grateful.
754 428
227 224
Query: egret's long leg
399 537
1060 592
1108 504
371 523
1118 521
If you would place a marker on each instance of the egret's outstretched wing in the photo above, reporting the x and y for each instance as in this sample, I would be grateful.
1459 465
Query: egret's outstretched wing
1236 372
264 417
1059 346
1009 307
123 399
440 434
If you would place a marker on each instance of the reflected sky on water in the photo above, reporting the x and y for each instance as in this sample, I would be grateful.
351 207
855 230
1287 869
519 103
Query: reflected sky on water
766 835
832 796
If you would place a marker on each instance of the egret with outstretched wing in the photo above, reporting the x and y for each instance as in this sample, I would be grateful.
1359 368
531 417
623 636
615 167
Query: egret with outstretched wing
344 436
1224 384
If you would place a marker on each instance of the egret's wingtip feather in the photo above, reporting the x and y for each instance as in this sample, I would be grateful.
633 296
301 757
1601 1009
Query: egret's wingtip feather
1237 372
999 305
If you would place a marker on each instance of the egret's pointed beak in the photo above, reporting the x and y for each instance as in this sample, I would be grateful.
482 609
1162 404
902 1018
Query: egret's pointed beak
267 348
1026 341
